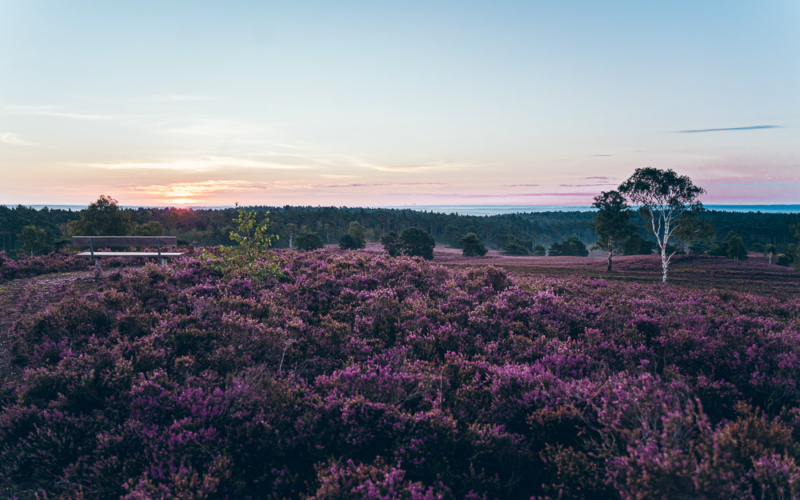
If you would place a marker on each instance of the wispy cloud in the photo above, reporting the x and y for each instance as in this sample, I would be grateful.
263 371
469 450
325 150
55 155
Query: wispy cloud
442 164
13 139
521 185
178 98
603 155
359 185
752 127
206 163
191 192
52 111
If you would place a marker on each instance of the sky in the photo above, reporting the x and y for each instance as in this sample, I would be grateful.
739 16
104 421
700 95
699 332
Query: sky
377 103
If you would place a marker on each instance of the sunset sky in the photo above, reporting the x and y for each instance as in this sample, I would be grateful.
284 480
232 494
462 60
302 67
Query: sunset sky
394 103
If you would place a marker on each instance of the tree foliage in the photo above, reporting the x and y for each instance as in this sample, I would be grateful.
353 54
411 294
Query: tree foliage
612 223
670 203
572 246
472 246
34 240
416 242
309 241
513 246
102 218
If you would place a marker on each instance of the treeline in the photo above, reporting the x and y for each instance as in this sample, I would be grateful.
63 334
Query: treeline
212 226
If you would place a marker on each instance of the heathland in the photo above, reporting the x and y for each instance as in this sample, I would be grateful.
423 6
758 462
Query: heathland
353 374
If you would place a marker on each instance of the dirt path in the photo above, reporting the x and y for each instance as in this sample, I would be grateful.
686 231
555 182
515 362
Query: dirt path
28 296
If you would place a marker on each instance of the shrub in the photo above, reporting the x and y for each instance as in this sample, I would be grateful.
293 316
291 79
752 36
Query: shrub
309 241
572 246
472 246
416 242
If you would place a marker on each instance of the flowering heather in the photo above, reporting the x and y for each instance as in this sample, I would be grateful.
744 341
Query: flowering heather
360 376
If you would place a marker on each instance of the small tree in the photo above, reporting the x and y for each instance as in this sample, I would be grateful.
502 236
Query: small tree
34 240
358 233
416 242
150 228
572 246
452 236
770 251
671 203
309 241
252 237
539 250
347 242
612 223
102 218
513 246
472 246
737 250
389 242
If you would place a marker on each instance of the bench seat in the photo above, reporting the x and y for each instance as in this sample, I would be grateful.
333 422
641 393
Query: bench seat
130 254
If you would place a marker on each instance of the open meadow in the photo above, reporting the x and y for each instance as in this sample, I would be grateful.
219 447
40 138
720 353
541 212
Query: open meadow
358 375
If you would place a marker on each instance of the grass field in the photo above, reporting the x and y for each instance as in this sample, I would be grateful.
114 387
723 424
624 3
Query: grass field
754 275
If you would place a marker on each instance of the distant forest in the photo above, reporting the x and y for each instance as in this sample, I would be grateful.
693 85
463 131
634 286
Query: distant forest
211 227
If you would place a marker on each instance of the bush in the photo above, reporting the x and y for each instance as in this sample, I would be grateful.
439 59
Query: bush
472 246
309 241
539 250
416 242
347 242
389 242
784 260
512 246
571 247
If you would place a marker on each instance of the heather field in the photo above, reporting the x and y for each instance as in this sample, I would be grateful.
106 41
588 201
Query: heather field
357 375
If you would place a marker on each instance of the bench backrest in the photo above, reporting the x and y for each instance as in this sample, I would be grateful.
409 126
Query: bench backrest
124 241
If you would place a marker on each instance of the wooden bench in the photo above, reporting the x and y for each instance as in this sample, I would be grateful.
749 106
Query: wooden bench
158 242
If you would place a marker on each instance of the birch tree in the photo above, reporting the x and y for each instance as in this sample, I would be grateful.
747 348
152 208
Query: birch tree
670 203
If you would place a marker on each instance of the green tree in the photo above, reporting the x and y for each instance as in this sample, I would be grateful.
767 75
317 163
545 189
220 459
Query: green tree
737 250
539 250
452 236
472 246
289 231
612 223
770 251
358 233
252 237
150 228
671 203
389 242
572 246
347 242
34 240
102 218
416 242
309 241
513 246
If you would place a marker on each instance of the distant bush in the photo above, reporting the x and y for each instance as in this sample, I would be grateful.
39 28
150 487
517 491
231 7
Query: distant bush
539 250
472 246
309 241
572 246
389 242
416 242
347 242
512 246
784 260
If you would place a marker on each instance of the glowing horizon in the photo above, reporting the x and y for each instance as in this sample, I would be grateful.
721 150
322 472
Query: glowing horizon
357 104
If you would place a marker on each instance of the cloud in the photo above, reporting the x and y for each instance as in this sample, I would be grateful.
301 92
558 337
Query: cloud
442 164
195 164
603 155
599 178
178 98
752 127
587 185
190 192
54 111
353 185
521 185
13 139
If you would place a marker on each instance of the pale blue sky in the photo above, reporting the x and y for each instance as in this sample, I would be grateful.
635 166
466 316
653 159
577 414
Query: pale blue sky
389 103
